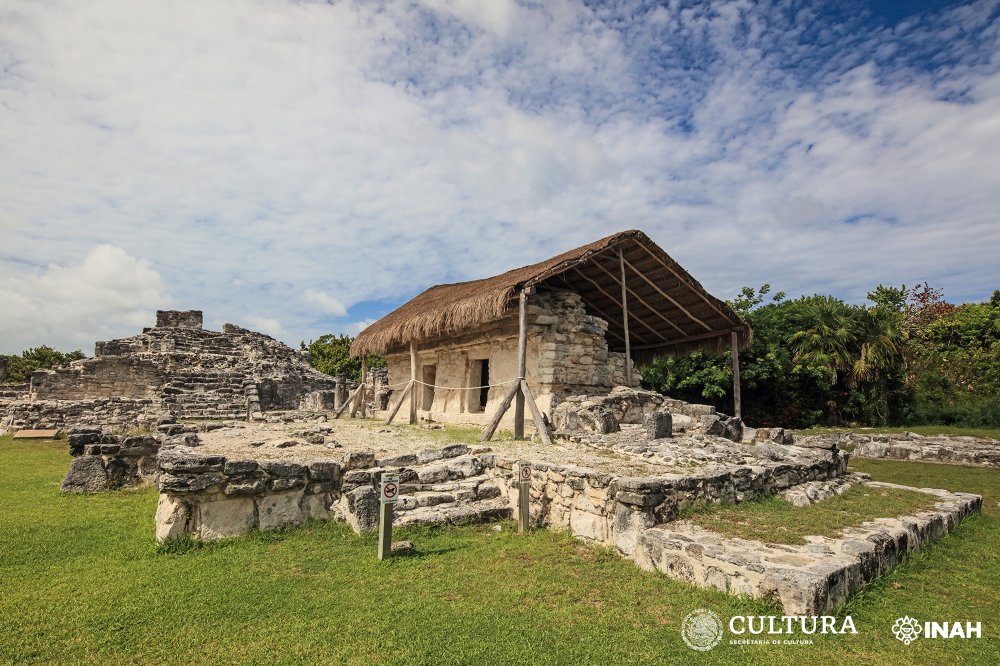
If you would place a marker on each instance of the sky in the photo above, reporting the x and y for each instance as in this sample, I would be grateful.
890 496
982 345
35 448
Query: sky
302 168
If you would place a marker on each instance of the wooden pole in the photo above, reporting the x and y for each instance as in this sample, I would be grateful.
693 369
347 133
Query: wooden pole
360 402
522 354
628 346
364 381
413 381
495 421
347 403
543 432
384 530
736 375
399 403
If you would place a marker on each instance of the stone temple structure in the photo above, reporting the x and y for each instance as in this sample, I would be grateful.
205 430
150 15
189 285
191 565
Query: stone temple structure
176 367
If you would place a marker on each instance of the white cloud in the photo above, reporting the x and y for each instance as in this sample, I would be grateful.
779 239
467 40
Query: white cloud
268 325
107 294
327 304
257 149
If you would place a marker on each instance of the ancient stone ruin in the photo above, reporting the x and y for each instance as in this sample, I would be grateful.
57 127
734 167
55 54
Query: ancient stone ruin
669 457
176 368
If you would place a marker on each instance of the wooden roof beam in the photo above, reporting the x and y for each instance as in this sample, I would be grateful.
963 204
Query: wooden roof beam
639 298
618 303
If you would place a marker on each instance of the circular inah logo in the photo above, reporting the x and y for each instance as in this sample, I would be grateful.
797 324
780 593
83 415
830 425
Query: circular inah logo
701 629
907 629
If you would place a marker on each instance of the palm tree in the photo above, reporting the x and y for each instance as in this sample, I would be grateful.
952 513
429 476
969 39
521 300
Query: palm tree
830 338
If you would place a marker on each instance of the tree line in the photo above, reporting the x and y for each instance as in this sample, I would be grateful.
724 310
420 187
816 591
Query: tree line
905 357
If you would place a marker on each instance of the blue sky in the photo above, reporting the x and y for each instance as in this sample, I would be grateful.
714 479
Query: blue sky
304 167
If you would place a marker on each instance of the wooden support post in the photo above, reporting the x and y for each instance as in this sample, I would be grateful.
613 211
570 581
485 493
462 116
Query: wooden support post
543 432
413 381
737 407
522 355
495 421
399 403
384 530
364 381
347 403
359 403
628 347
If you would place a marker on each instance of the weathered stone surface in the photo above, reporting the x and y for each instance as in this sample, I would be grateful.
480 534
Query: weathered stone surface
324 470
360 508
86 475
226 518
172 516
403 548
280 510
181 460
283 468
359 460
813 579
949 450
658 425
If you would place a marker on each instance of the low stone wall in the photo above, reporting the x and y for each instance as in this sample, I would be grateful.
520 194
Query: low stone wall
945 449
812 579
115 414
212 497
598 507
102 461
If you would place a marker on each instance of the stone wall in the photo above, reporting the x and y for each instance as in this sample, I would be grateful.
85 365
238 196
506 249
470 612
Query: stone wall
211 497
114 414
567 354
945 449
611 510
812 579
178 319
103 461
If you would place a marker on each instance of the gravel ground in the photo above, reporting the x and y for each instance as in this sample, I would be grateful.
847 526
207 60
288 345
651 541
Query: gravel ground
240 439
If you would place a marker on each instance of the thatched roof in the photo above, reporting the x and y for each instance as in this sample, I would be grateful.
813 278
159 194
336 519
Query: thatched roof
669 311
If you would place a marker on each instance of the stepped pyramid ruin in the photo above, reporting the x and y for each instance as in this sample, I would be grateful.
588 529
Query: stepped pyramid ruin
175 367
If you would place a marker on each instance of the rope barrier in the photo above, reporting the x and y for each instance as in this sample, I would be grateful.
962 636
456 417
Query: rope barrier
453 388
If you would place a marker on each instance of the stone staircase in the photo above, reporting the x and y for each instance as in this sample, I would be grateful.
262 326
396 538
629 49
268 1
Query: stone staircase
448 485
206 395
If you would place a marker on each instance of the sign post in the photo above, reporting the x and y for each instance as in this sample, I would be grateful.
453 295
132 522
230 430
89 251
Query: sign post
388 496
524 481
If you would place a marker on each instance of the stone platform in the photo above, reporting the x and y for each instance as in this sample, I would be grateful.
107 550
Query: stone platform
811 579
943 449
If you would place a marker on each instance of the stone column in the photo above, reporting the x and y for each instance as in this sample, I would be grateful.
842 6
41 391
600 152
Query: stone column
341 389
3 370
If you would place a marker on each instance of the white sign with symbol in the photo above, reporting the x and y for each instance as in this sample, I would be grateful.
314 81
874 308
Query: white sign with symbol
390 489
525 473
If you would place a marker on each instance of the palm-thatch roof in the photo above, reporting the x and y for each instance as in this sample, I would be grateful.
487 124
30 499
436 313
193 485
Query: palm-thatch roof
669 311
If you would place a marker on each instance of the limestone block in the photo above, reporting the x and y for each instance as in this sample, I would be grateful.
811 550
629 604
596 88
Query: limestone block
86 475
280 510
360 509
587 525
628 525
658 425
172 516
225 518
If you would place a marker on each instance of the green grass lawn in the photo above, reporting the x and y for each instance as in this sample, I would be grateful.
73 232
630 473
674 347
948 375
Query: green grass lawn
776 521
81 581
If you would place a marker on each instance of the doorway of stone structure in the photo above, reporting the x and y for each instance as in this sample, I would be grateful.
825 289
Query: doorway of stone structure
430 375
484 380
